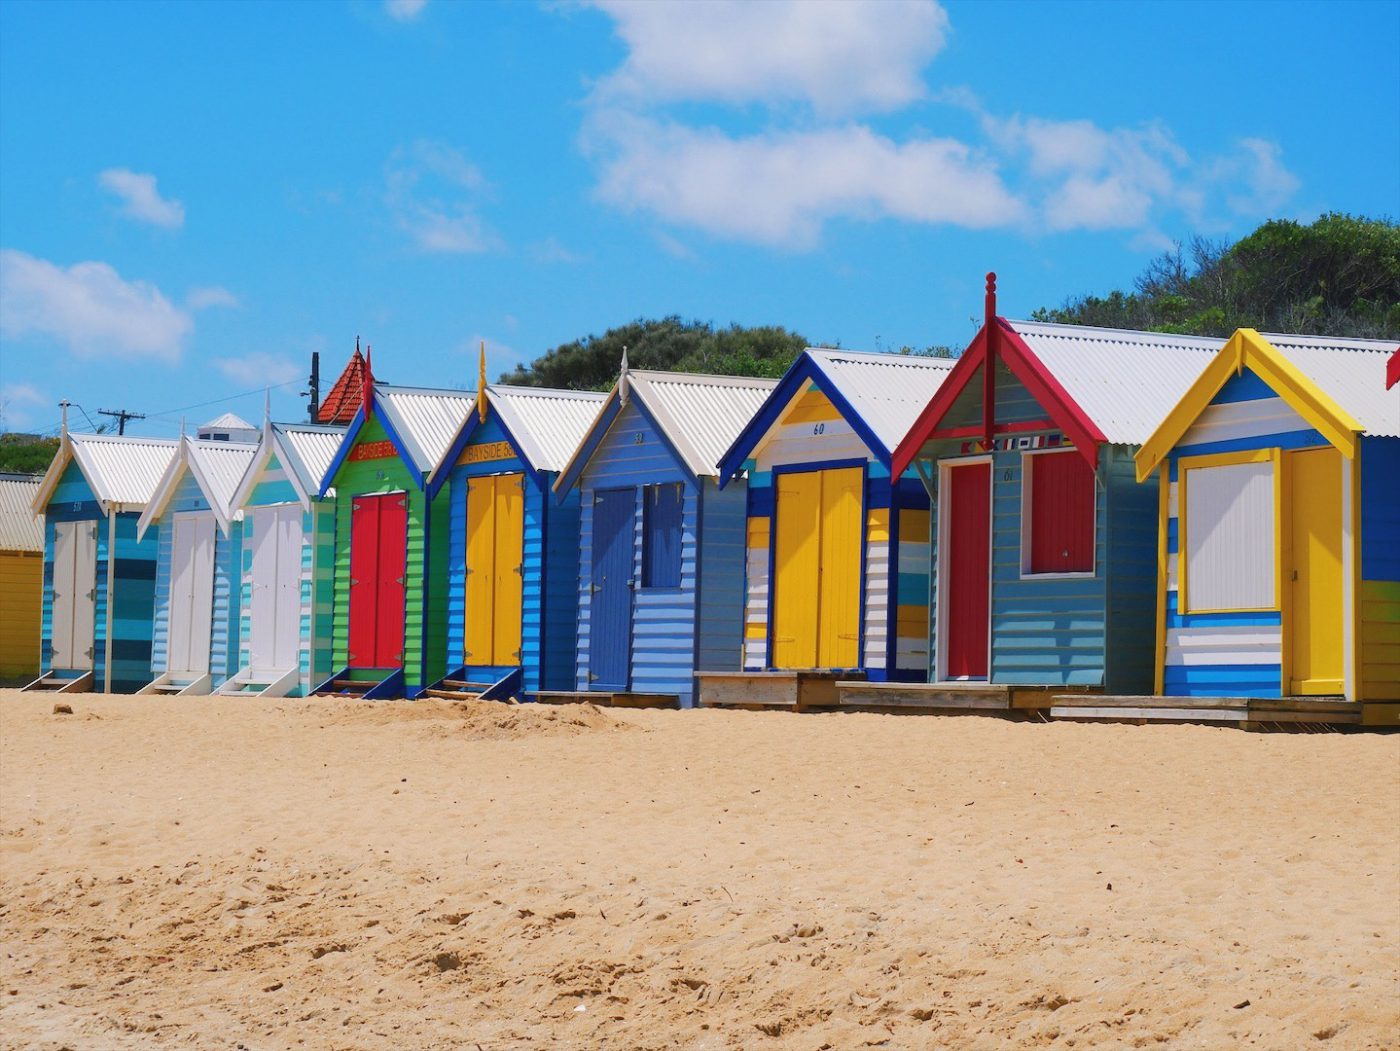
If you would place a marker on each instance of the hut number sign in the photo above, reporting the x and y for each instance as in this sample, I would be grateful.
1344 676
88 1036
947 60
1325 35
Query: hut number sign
373 451
486 451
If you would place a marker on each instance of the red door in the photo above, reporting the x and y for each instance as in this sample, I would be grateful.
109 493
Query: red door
378 554
968 567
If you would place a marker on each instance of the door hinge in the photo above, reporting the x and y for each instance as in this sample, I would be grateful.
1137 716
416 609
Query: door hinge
592 677
400 580
593 589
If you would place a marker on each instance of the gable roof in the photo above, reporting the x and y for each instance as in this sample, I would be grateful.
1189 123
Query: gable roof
1096 384
880 395
343 400
699 416
218 468
122 471
227 422
422 422
1337 385
305 450
20 528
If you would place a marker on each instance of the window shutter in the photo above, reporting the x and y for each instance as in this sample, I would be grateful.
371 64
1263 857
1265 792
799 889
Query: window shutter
1062 513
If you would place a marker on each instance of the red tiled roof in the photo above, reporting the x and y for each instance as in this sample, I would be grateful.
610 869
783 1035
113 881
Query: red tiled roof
343 401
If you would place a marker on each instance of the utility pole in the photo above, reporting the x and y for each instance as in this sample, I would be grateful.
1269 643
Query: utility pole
315 392
121 416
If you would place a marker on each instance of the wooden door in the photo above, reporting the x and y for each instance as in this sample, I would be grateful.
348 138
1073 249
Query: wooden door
495 555
274 631
1315 614
73 616
378 561
610 610
966 586
191 608
843 500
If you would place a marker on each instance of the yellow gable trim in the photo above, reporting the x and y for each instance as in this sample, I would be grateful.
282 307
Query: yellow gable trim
811 406
1247 349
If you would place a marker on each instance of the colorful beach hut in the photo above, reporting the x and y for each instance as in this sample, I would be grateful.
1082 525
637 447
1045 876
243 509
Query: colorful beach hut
287 569
197 594
21 578
99 576
661 549
389 636
514 551
1279 503
837 545
1042 543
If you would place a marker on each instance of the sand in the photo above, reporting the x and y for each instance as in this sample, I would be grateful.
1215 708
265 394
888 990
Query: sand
329 874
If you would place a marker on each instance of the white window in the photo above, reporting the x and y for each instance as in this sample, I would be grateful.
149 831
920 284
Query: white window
1229 548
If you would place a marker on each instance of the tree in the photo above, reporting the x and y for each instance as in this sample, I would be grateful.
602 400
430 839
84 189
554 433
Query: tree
26 454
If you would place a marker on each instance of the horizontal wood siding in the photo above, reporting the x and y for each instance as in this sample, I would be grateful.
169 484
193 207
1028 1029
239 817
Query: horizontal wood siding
21 609
1130 550
318 597
561 588
1379 599
132 604
721 604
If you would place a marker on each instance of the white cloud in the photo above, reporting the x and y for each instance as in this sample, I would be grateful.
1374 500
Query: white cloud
258 368
550 250
404 10
841 56
18 405
1267 183
433 192
90 308
140 198
211 296
779 188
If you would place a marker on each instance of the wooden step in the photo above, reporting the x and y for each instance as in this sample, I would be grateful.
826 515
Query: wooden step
794 690
452 695
928 696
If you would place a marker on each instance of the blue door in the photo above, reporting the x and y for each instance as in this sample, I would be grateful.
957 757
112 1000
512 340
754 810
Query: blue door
610 616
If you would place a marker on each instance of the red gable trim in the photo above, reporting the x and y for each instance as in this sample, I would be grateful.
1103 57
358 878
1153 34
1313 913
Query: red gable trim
1392 370
1026 367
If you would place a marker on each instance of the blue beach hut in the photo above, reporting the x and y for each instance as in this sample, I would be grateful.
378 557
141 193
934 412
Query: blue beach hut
197 595
661 548
513 597
99 575
287 568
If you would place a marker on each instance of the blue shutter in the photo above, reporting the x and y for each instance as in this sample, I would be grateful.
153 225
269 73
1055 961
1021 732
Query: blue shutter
661 535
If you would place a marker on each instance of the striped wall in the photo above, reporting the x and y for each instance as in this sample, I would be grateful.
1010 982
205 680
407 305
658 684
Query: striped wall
1378 605
21 613
722 557
134 585
895 572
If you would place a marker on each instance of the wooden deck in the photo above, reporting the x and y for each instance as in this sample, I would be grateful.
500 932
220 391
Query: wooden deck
1245 712
605 699
794 690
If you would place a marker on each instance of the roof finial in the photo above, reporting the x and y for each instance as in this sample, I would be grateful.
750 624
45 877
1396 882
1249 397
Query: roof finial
63 417
991 296
267 406
182 428
481 384
622 378
367 384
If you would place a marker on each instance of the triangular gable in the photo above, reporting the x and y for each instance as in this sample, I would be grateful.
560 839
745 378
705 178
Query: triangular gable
351 439
170 484
1247 349
268 446
802 374
607 415
1048 392
438 477
345 395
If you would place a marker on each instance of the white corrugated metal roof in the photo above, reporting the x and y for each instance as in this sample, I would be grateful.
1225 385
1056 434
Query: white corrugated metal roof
1351 372
701 415
220 466
425 418
20 528
122 470
1125 381
228 422
309 448
888 390
548 424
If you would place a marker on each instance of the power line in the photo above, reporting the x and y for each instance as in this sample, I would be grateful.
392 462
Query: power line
121 416
228 397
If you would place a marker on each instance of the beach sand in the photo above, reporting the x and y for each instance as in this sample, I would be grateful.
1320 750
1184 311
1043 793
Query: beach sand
211 873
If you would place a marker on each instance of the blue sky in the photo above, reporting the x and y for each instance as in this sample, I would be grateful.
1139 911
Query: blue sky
193 197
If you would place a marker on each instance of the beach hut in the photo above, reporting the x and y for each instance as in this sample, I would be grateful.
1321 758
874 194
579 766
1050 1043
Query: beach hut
99 576
837 546
1279 503
287 570
21 578
1042 543
195 638
389 636
661 549
513 557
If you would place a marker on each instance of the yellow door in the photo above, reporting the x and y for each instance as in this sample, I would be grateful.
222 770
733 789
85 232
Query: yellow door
510 554
1315 583
838 641
480 609
796 567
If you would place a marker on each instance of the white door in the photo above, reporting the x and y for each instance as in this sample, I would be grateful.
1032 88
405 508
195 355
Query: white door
191 594
275 631
74 614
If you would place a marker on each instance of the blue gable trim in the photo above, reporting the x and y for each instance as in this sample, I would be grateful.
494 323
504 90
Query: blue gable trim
599 431
440 474
803 371
348 443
